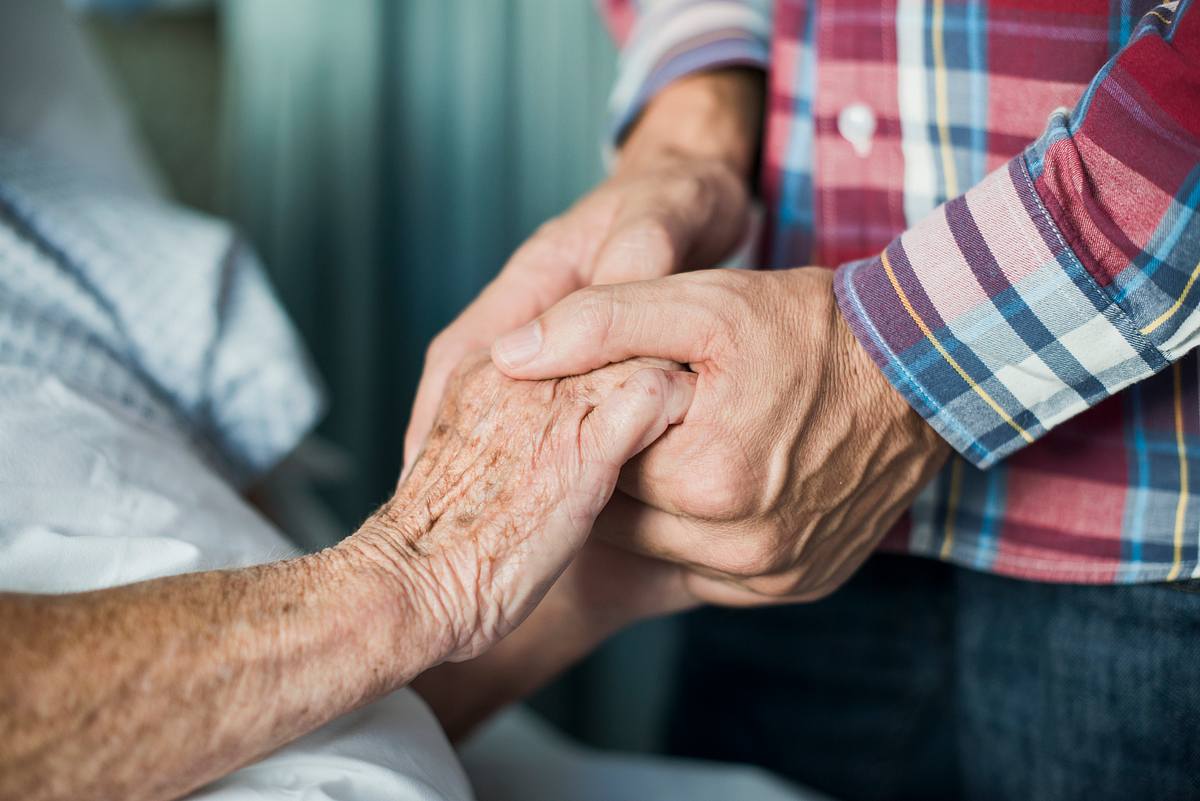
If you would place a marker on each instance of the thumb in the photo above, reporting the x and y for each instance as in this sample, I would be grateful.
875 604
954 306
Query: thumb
681 223
633 415
643 242
603 325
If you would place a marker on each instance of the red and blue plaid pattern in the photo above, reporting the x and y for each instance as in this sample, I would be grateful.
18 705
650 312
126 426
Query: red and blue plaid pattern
1012 209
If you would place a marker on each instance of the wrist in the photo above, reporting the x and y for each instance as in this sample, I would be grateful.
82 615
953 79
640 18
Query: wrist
397 591
867 380
707 116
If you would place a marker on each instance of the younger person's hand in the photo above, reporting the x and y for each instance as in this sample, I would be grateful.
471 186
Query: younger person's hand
678 199
797 454
507 489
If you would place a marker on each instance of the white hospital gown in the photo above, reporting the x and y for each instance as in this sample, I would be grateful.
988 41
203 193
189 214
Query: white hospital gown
145 370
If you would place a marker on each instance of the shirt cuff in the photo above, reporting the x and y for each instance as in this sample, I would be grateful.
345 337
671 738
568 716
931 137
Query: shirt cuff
988 324
680 37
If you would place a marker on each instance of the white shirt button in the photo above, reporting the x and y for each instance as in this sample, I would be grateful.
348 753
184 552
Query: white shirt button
856 124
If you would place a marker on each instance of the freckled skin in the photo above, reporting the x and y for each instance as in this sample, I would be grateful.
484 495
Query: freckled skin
798 454
476 524
148 691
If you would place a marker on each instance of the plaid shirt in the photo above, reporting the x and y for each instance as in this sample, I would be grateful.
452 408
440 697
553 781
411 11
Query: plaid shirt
1009 193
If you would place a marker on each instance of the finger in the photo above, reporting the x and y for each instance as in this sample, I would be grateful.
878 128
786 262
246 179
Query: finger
667 318
598 385
643 529
636 413
629 524
687 466
632 416
644 241
515 297
687 224
709 552
633 526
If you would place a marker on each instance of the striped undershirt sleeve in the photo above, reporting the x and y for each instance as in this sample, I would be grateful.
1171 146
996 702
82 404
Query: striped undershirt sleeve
1064 276
663 40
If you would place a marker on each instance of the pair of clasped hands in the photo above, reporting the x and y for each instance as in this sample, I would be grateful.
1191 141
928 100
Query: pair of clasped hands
645 438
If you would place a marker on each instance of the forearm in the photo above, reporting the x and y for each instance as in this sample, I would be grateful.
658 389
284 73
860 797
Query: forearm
1052 284
150 690
604 590
711 115
558 634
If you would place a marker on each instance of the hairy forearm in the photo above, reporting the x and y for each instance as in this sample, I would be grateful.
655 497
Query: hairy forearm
711 115
150 690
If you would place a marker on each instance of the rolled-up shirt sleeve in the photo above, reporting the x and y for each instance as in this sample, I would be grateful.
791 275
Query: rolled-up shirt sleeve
1064 276
664 40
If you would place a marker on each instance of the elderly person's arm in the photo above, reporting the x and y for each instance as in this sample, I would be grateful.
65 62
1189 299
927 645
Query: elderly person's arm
150 690
604 590
678 198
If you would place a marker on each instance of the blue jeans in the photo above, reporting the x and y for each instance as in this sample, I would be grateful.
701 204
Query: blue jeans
922 680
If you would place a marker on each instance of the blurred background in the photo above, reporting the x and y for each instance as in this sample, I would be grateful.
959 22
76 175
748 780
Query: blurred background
385 157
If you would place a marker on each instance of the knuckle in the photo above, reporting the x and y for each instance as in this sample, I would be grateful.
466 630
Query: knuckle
717 493
696 197
748 557
689 189
710 499
648 383
718 301
723 326
729 289
595 311
585 499
567 394
654 242
644 249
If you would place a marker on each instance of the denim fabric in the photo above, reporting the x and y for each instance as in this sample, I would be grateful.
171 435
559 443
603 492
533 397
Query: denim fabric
923 680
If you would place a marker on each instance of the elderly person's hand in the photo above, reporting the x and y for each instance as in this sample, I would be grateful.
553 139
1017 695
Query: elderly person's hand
508 485
679 195
149 690
796 455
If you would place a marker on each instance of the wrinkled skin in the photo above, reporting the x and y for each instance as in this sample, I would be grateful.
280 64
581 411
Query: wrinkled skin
225 666
640 223
678 199
507 487
797 454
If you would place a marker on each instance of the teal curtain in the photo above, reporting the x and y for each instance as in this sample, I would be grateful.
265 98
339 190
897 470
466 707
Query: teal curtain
385 158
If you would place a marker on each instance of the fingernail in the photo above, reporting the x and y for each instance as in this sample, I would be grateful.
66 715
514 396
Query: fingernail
519 347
